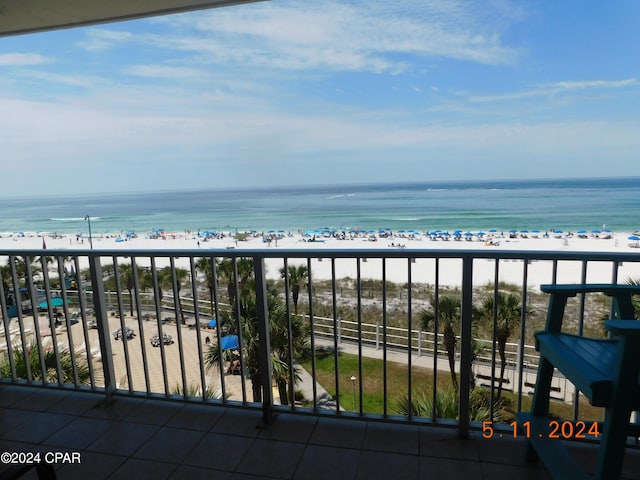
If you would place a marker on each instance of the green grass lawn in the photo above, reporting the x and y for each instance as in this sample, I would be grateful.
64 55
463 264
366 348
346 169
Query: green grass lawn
372 381
397 387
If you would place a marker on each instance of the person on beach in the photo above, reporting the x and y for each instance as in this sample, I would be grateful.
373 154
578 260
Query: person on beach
235 362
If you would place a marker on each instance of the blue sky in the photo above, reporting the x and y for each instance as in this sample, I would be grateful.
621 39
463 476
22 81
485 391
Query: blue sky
324 92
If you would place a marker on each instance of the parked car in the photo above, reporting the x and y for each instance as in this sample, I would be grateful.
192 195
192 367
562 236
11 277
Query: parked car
166 339
128 334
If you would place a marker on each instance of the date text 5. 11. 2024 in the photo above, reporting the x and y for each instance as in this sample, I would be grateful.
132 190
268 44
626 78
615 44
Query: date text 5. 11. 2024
561 430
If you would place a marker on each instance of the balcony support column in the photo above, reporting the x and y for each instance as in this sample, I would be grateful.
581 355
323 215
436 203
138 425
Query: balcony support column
264 341
466 345
102 321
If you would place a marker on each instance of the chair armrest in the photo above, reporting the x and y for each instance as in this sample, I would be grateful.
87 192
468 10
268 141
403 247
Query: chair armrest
572 289
623 327
621 295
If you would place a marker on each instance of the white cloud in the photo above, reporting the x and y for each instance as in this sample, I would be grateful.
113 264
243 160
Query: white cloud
554 88
607 84
164 71
332 36
23 59
296 86
68 79
98 39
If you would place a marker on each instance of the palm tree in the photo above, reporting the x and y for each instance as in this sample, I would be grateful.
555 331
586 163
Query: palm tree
5 274
298 276
125 272
127 281
446 405
278 332
227 269
21 266
508 310
280 350
32 358
635 300
448 313
203 265
165 279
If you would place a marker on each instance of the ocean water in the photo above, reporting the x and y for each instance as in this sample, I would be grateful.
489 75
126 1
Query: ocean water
569 205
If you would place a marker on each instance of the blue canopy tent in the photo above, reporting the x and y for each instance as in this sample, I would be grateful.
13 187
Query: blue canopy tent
55 302
230 342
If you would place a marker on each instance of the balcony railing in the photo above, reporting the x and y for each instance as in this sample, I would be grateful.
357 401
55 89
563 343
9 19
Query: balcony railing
400 335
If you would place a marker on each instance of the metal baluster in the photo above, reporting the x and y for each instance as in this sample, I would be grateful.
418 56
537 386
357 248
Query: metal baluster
385 383
313 338
359 285
336 334
67 319
100 309
123 328
216 307
83 318
290 366
262 312
156 294
409 342
143 345
436 316
196 314
523 332
36 324
177 305
465 351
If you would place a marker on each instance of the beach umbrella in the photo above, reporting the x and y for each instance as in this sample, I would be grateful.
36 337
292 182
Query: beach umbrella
635 238
55 302
230 342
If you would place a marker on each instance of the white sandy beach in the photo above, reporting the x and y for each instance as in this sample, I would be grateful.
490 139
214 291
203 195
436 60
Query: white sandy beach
422 270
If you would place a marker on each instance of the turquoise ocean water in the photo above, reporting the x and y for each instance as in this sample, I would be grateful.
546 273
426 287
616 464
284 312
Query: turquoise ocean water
569 205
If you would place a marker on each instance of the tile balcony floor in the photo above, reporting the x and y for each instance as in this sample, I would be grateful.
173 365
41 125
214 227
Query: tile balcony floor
141 438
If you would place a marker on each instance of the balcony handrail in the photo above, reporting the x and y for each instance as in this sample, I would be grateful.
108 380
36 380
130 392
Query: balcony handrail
412 341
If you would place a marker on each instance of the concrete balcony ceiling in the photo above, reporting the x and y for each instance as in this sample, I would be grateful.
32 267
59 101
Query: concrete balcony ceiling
29 16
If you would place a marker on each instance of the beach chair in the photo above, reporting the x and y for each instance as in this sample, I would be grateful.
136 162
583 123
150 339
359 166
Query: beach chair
606 371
